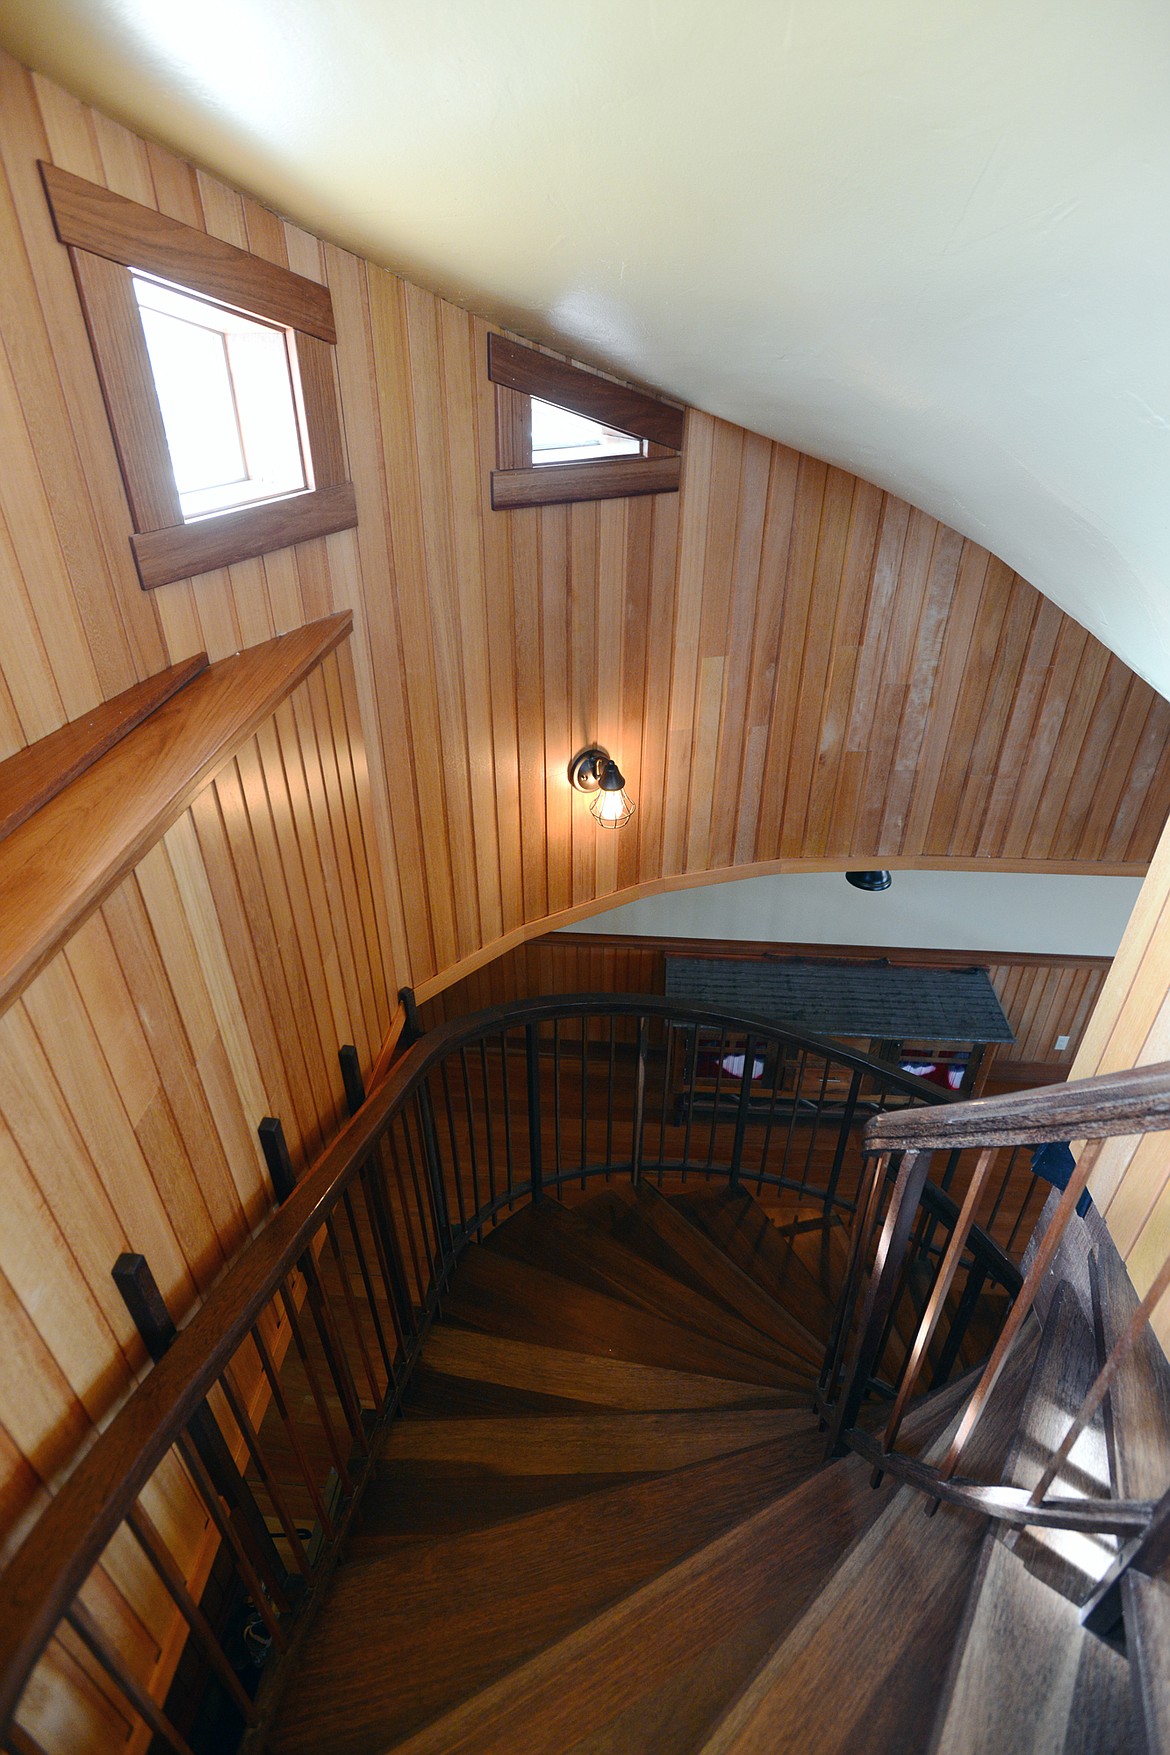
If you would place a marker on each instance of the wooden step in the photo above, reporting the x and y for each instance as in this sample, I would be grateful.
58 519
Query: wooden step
592 1443
395 1646
416 1500
766 1253
451 1354
498 1295
1025 1674
646 1674
647 1223
562 1241
864 1667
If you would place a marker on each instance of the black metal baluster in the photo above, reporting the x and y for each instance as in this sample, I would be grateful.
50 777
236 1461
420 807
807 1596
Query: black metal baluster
507 1111
639 1102
843 1133
168 1570
741 1116
292 1430
766 1144
335 1451
489 1122
556 1024
251 1437
609 1098
256 1587
535 1145
584 1097
147 1307
87 1630
456 1164
382 1227
276 1154
815 1127
472 1149
721 1056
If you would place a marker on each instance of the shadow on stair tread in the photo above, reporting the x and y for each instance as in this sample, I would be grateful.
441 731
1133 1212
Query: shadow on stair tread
395 1648
564 1241
1069 1691
769 1254
647 1654
648 1224
501 1296
583 1378
895 1604
649 1439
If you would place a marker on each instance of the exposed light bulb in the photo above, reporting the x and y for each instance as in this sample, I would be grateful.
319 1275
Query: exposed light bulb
610 808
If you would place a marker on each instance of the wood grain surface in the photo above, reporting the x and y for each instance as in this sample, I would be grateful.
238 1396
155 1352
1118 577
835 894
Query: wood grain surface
37 773
62 862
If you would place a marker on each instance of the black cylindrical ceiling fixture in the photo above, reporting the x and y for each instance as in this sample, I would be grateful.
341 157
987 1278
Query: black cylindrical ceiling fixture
869 880
595 771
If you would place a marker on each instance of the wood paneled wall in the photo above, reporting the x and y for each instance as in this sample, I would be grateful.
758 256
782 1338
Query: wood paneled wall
1043 997
213 987
1130 1026
788 663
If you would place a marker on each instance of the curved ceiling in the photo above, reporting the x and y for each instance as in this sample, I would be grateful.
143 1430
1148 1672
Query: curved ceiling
930 242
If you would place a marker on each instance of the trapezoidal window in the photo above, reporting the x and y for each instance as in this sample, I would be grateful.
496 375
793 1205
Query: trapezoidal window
565 434
225 385
219 381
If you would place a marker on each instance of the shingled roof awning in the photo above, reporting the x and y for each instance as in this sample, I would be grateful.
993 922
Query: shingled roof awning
875 1000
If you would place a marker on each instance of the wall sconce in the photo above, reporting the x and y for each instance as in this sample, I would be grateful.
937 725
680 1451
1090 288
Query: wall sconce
872 881
595 771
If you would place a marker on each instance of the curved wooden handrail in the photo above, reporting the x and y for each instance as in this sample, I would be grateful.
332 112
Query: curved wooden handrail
1098 1108
68 1539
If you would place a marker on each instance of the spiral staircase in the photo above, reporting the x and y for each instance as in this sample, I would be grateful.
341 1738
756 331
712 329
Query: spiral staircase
572 1406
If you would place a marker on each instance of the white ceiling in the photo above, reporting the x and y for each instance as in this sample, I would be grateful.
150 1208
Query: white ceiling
926 239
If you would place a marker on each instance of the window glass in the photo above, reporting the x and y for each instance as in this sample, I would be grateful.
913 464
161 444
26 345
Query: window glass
224 384
559 436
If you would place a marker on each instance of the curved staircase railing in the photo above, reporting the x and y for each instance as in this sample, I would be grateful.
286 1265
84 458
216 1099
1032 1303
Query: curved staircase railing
178 1540
900 1150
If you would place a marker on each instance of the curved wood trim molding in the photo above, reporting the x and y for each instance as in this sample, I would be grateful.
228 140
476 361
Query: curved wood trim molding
691 880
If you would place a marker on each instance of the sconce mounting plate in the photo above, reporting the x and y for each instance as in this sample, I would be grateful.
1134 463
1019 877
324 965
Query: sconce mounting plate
587 767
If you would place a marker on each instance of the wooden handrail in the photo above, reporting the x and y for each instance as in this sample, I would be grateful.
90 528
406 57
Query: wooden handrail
1137 1101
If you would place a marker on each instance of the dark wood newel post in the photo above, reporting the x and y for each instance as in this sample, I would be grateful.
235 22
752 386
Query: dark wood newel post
152 1319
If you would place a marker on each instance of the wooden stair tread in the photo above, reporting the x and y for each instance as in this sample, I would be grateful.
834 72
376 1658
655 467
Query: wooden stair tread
654 1650
765 1252
455 1353
560 1240
418 1500
499 1295
1065 1683
396 1646
591 1442
894 1605
648 1224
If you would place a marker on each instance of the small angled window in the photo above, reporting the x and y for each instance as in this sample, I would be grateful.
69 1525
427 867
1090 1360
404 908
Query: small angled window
560 436
565 434
219 381
225 391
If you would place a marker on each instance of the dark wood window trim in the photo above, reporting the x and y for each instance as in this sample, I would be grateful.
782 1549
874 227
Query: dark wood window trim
107 236
519 373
